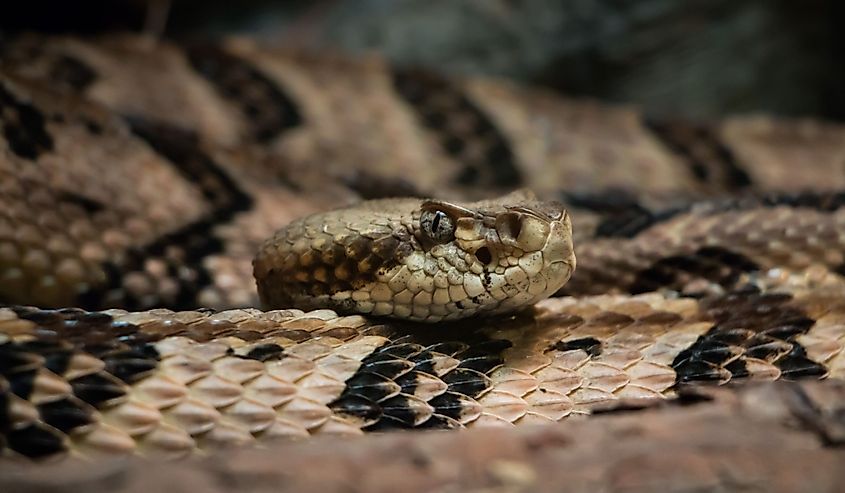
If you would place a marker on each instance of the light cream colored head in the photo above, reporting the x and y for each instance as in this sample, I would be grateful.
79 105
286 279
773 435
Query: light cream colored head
426 260
512 252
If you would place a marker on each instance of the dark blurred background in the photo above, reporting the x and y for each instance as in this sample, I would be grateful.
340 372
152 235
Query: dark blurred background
699 59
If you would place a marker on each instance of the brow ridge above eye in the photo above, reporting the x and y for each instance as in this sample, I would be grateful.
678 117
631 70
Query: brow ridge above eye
454 211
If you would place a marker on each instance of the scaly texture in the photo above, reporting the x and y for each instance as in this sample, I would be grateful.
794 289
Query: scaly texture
137 179
420 260
164 383
219 146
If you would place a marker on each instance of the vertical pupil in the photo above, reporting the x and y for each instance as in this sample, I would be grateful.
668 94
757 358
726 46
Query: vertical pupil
436 221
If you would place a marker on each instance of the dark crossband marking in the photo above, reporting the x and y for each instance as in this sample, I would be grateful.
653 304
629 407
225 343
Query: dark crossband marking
589 345
35 441
72 72
23 127
266 108
713 264
750 326
127 352
374 186
822 201
182 148
710 160
462 129
265 352
627 224
622 214
128 356
182 251
66 414
61 70
89 205
393 386
624 217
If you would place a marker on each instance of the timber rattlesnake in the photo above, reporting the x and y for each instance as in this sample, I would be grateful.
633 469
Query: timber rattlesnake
145 179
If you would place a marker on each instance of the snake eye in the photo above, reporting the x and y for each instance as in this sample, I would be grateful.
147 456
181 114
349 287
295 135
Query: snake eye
437 225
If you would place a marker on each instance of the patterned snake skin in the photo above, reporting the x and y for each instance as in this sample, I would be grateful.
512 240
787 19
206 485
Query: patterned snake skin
138 181
420 260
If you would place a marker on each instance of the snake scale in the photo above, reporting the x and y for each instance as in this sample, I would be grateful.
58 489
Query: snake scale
139 180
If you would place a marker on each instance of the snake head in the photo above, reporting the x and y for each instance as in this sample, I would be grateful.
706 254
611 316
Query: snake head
420 260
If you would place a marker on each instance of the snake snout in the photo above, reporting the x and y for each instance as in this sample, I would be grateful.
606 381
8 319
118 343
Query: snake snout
558 247
559 254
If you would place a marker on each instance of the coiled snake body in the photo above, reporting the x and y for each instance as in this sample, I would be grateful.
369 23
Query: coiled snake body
141 184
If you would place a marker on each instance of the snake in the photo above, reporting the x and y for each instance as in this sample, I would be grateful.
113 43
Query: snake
207 289
427 261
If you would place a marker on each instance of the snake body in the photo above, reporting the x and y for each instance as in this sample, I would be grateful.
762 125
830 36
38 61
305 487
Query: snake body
139 183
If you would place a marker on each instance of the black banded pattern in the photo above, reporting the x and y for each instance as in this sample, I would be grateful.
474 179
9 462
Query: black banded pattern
183 251
171 382
268 111
710 161
750 328
461 128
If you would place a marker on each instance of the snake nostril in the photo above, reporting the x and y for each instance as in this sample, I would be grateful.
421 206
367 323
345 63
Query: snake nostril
483 255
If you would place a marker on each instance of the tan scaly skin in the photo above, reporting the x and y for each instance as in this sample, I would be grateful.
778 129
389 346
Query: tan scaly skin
224 146
421 260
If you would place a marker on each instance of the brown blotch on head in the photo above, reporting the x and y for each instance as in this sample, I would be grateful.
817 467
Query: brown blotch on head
327 265
290 262
362 280
403 251
370 264
309 258
359 248
385 247
337 287
333 254
318 289
346 271
321 274
302 276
